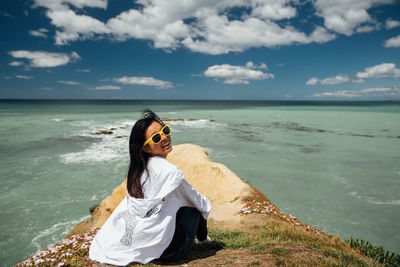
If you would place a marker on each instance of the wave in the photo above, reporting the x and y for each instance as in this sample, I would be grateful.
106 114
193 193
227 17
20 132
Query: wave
113 140
395 202
195 123
374 201
109 149
112 143
53 232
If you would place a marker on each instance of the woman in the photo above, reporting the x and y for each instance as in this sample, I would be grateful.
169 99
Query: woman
161 214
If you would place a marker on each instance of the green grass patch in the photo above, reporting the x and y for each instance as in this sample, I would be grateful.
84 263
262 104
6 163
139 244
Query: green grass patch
374 252
290 245
279 251
228 239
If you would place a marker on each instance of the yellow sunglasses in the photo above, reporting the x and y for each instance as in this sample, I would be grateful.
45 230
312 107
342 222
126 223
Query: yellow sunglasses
156 138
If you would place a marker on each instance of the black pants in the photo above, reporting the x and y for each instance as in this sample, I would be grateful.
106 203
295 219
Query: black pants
189 224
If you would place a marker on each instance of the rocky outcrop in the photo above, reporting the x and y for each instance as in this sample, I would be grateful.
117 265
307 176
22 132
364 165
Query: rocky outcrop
272 238
226 191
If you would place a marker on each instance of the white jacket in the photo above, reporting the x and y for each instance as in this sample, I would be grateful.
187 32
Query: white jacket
139 230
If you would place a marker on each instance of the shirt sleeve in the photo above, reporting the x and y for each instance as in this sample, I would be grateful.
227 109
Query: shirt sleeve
194 198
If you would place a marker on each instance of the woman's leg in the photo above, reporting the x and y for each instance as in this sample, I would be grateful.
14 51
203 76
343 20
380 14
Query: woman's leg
202 229
189 223
176 243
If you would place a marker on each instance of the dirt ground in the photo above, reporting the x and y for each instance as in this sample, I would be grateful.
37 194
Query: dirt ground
207 256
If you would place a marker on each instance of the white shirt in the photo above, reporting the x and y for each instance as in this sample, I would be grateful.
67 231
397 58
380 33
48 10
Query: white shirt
139 230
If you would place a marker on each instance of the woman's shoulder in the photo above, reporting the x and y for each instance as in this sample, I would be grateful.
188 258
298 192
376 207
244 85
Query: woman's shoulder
164 178
161 165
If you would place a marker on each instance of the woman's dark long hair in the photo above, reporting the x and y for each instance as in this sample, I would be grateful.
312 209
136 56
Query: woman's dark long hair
139 158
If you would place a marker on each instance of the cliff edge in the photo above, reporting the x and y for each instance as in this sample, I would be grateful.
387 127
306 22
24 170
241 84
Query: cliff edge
246 228
229 195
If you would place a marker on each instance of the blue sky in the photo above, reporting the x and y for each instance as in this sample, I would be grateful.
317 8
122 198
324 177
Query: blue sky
192 49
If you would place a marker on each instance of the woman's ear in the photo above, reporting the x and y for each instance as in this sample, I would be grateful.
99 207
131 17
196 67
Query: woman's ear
146 149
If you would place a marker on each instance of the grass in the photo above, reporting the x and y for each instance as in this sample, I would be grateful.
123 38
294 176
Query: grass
291 246
274 241
374 252
228 239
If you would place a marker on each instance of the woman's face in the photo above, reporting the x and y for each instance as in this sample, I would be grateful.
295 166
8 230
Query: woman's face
161 149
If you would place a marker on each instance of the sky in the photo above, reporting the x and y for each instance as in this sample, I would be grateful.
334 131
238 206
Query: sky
200 49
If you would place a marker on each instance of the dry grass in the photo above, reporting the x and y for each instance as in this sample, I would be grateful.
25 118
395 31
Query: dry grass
273 243
273 239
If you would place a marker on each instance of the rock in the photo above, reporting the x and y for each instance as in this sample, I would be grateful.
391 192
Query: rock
93 208
179 119
102 132
226 191
121 136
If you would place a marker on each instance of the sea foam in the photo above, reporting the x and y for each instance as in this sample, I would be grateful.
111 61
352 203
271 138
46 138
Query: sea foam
41 240
114 146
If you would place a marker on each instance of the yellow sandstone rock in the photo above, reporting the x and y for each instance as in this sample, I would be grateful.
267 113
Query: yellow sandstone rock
226 191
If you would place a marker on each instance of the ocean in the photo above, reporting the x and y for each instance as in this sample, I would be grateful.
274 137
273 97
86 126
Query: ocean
334 165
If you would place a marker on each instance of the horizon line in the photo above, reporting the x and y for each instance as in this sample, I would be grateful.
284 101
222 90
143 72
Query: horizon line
176 99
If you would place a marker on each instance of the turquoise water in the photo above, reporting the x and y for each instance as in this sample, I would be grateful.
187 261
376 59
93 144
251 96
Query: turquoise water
334 165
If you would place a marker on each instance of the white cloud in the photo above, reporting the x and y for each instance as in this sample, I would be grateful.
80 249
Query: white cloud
251 65
338 79
321 35
273 10
207 27
392 42
43 59
375 90
390 23
223 36
148 81
366 28
68 82
335 80
72 26
236 74
358 81
75 26
385 70
5 14
16 63
39 33
346 16
25 77
46 88
86 3
312 81
82 70
380 92
62 4
107 87
263 66
201 26
337 94
157 22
